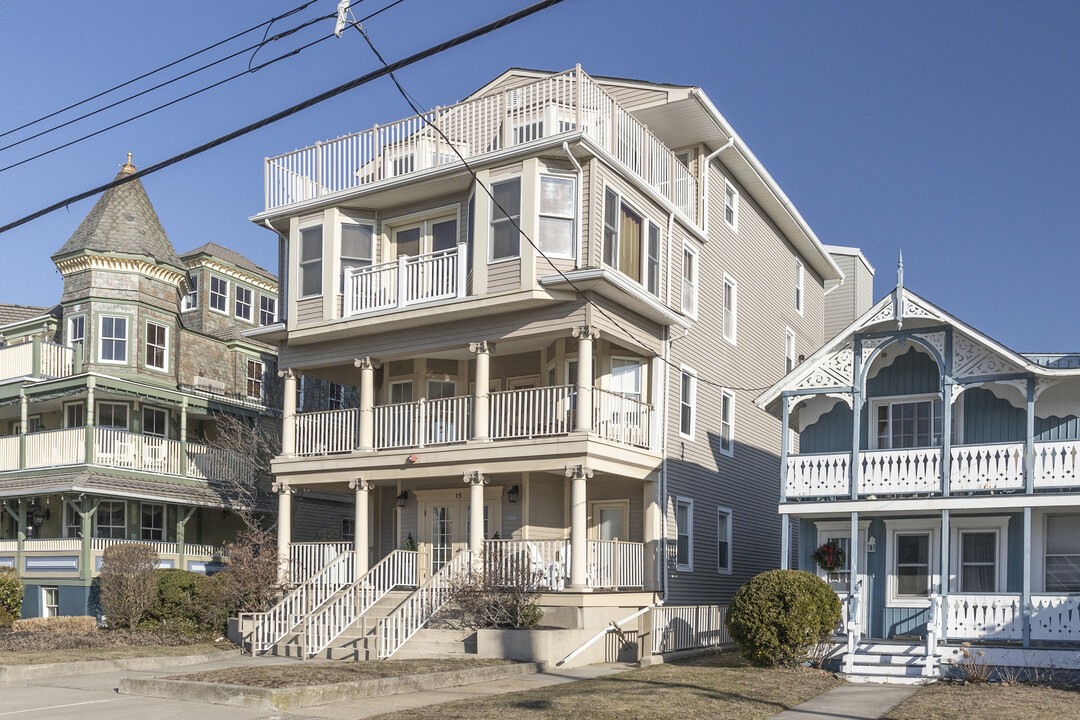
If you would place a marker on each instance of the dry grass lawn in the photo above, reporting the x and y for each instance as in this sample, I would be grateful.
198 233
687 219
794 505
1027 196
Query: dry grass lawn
710 686
987 702
326 673
36 657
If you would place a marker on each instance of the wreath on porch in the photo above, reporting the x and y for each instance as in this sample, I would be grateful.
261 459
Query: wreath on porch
829 557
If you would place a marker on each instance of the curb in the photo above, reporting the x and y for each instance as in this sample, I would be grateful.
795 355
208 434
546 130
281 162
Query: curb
16 673
298 697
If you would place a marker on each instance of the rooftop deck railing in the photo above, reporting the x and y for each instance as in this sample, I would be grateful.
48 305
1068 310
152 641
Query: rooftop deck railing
566 102
36 358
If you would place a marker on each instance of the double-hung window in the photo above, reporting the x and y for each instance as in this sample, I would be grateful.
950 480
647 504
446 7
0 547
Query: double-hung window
1062 562
357 247
684 534
731 206
50 602
723 541
335 398
789 350
731 309
112 415
77 330
978 561
219 294
506 219
800 274
910 423
689 281
687 398
267 309
111 520
623 228
191 300
311 250
243 303
114 339
155 422
74 415
557 204
153 522
727 422
652 260
254 379
72 522
157 346
912 568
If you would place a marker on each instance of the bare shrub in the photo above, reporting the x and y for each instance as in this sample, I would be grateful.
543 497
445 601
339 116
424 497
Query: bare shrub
501 593
251 581
258 442
970 664
78 624
128 583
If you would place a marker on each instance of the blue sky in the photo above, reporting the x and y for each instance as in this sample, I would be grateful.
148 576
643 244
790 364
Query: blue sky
945 129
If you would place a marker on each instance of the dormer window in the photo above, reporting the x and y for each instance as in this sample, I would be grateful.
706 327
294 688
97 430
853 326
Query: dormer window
219 294
191 300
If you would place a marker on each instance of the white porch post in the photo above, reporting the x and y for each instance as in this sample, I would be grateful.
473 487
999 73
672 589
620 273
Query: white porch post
288 413
855 602
284 534
366 441
361 535
1025 598
476 482
785 542
946 573
585 336
481 396
651 536
579 520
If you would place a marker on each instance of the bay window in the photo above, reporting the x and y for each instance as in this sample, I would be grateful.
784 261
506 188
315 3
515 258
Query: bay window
557 215
311 250
506 219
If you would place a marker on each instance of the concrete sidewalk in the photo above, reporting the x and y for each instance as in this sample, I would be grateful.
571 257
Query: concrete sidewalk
851 701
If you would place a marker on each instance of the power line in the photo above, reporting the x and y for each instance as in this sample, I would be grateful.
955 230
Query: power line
284 15
420 113
292 110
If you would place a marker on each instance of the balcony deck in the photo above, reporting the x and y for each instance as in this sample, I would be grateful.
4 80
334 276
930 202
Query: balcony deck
991 468
566 103
36 358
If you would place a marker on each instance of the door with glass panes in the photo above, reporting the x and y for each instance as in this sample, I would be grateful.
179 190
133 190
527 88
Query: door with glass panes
443 524
839 579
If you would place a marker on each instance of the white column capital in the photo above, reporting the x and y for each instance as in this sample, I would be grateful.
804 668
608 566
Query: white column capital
367 363
578 472
586 332
282 488
361 485
483 346
474 477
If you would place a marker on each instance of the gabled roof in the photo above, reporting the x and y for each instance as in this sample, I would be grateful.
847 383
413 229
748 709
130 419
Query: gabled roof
123 221
10 314
972 349
230 256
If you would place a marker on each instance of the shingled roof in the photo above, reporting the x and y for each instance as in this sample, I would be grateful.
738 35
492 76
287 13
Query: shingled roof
10 314
230 256
123 221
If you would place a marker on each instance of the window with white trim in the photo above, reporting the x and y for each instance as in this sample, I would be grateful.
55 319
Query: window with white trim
1062 560
912 564
153 522
254 379
723 541
76 330
74 415
267 309
789 350
111 415
155 421
157 346
335 397
348 528
978 561
687 397
557 215
191 300
114 340
652 260
219 294
800 273
689 281
731 206
243 303
727 422
910 421
110 520
913 556
357 247
684 534
506 219
50 602
731 308
624 231
311 250
72 522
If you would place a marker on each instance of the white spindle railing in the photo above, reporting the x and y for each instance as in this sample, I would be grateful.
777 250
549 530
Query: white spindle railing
826 475
422 423
398 569
163 548
560 103
328 431
211 463
120 449
17 360
987 467
306 559
9 452
688 627
1055 618
371 288
408 280
615 564
539 564
1057 464
396 628
934 626
52 544
531 412
56 360
975 617
56 447
900 472
621 418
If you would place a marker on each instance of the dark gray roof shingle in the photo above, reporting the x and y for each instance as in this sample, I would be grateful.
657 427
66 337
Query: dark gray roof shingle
230 256
17 313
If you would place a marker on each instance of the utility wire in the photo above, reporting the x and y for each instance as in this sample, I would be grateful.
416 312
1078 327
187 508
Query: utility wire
420 113
292 110
284 15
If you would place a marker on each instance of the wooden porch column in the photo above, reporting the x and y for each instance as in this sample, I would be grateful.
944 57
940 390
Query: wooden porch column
90 420
1025 597
284 534
288 413
183 440
946 573
367 403
481 396
182 517
24 418
585 336
1029 440
579 520
856 418
361 534
855 608
651 536
476 482
785 542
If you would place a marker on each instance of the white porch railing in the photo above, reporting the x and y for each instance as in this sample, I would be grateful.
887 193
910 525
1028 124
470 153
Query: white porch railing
988 616
398 569
56 360
890 472
16 360
163 548
621 418
328 431
688 627
542 563
56 447
825 475
560 103
532 412
306 559
50 544
615 564
9 452
396 628
406 281
120 449
1055 618
1057 464
423 423
211 463
987 467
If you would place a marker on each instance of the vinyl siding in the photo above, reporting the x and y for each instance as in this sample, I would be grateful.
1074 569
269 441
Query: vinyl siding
506 275
309 311
546 503
632 97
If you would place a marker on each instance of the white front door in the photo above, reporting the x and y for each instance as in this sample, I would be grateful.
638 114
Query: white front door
839 580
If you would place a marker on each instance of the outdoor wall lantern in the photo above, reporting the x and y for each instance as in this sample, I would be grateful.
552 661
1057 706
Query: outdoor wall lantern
871 544
513 494
402 498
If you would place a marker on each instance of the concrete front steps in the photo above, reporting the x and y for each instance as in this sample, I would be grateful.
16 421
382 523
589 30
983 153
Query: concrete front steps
357 642
891 663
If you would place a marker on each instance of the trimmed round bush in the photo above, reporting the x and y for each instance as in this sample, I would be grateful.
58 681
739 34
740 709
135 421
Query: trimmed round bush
778 617
176 606
11 596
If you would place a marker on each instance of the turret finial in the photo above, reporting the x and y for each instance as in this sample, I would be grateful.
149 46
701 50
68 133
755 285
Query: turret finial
128 168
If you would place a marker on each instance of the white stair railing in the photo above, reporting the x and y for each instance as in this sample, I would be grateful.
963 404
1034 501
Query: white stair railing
413 613
934 625
306 559
325 624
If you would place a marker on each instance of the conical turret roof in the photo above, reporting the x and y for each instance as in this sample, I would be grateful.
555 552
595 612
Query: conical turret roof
123 221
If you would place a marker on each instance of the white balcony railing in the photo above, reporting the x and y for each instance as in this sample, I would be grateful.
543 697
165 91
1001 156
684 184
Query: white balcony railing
541 564
56 447
621 418
328 431
826 475
52 545
567 102
615 564
976 617
9 452
307 559
1057 464
52 361
422 423
896 472
16 360
532 412
406 281
120 449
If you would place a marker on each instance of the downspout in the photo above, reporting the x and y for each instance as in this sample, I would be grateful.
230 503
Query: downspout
577 205
705 182
667 255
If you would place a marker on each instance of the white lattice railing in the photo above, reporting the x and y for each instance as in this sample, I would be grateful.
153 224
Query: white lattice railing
17 360
688 627
423 423
1057 464
1055 618
306 559
542 564
900 472
396 628
987 467
328 431
56 447
976 617
615 564
408 280
621 418
560 103
826 475
531 412
324 625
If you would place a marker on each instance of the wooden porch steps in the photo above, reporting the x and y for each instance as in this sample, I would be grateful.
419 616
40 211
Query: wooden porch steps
891 663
